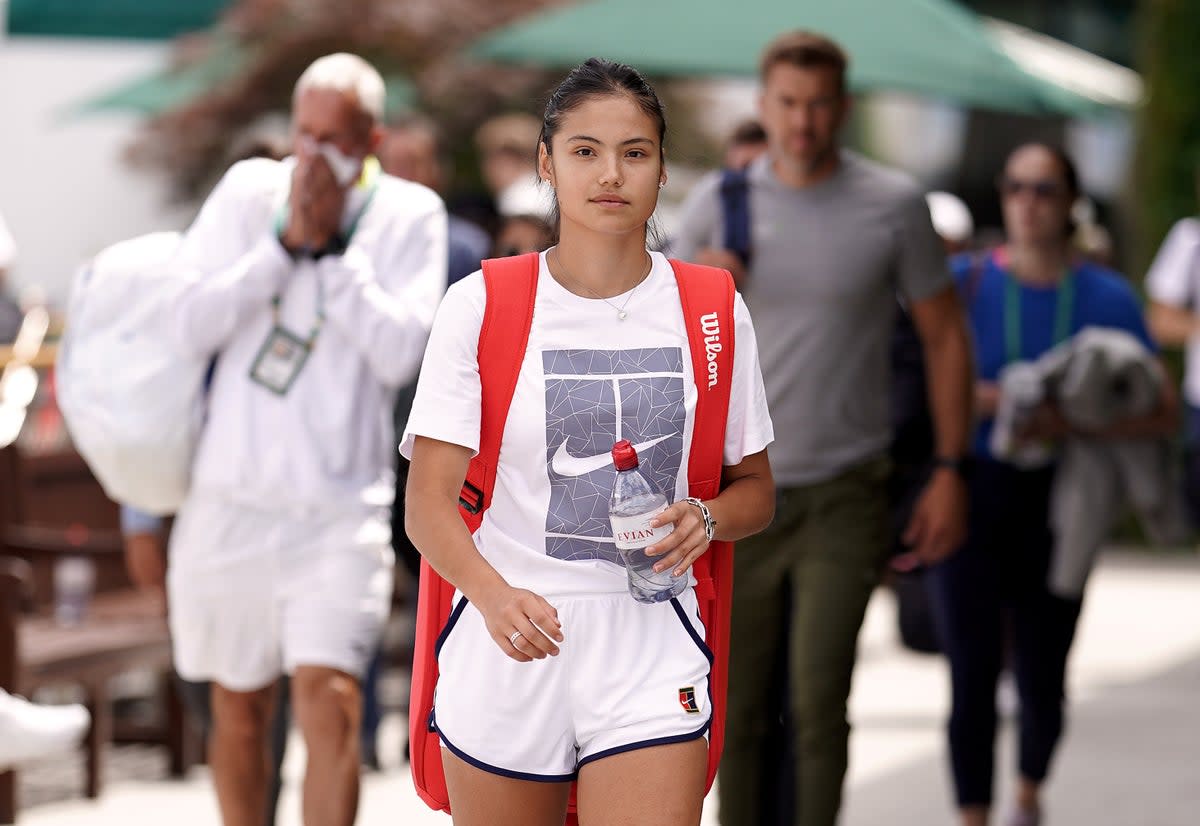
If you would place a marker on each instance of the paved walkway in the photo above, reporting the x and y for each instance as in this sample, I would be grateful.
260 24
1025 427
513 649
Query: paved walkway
1131 758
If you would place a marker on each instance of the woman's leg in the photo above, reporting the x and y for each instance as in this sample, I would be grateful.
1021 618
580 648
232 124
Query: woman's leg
1043 630
481 798
663 785
965 596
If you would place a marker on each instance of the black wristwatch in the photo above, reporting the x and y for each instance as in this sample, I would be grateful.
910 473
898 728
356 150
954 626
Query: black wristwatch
959 464
335 246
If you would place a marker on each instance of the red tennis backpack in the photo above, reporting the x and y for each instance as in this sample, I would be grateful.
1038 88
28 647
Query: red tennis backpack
707 295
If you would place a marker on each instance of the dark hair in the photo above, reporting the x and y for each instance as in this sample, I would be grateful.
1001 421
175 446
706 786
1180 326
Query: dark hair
1070 173
805 50
748 132
1065 165
597 77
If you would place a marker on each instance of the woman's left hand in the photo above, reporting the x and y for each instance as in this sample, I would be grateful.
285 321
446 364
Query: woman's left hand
685 544
1045 423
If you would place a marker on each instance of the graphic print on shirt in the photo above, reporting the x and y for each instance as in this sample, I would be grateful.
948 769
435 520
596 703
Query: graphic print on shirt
593 399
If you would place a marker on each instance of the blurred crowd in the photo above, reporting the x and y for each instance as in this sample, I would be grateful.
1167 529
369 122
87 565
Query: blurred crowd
951 418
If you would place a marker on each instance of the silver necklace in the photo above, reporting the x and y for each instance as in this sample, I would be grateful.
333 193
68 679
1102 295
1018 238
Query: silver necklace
621 314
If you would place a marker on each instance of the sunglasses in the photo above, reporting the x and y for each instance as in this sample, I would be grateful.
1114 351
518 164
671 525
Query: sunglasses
1011 187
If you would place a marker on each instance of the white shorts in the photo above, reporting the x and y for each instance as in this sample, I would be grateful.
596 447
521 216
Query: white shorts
628 676
253 593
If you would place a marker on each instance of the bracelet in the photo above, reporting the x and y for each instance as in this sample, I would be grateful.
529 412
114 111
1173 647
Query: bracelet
710 524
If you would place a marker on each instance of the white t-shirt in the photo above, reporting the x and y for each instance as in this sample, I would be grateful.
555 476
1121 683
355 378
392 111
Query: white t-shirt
587 380
1174 280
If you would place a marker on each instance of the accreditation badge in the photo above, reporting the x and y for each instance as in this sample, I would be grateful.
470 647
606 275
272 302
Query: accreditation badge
279 361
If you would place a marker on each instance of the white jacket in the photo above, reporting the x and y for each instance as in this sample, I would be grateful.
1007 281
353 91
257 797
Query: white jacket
329 440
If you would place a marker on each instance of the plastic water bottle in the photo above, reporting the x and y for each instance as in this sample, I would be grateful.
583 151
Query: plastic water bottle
74 580
634 503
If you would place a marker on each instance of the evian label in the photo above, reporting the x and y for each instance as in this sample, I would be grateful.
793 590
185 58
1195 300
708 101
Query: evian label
710 327
633 532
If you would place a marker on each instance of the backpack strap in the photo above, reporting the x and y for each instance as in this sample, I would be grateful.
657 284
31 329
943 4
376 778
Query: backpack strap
706 295
735 211
707 298
511 285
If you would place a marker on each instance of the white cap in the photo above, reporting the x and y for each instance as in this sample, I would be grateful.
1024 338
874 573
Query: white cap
951 218
526 198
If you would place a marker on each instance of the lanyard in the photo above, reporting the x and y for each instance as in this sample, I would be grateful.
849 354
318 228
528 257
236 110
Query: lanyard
370 179
317 324
1064 309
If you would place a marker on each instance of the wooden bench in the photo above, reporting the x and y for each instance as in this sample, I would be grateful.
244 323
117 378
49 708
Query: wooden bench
124 630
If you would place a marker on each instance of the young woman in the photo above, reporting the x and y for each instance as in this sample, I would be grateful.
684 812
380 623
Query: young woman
1023 298
553 672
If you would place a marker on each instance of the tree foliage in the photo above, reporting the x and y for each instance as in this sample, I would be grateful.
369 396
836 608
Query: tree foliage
1169 124
419 39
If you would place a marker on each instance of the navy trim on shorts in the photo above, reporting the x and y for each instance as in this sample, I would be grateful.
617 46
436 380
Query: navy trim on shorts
676 738
515 775
645 744
450 623
691 629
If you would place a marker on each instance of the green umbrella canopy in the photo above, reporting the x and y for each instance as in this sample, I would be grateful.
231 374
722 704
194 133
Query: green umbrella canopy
159 91
929 47
144 19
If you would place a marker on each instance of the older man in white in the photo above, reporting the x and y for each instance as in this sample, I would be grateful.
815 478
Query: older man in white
316 281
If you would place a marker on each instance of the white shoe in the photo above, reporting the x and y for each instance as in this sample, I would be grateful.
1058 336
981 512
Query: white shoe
29 731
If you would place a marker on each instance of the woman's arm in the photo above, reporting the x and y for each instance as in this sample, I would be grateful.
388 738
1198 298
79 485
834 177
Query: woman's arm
1172 326
432 521
745 506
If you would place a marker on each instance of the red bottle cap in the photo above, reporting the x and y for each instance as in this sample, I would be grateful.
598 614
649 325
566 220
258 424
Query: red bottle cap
624 456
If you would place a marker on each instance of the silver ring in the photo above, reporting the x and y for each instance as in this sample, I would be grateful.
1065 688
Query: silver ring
512 638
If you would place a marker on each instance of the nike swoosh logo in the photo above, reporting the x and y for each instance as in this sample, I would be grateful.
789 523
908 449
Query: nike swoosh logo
564 464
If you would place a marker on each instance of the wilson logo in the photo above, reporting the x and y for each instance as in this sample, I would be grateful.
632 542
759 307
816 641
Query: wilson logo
710 327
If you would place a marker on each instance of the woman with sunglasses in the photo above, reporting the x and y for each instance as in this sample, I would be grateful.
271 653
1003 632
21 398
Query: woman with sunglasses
992 597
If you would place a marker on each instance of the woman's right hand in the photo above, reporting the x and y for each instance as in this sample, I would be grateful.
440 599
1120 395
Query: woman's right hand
987 399
523 624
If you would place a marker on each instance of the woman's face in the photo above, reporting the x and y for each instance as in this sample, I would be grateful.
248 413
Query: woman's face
1035 198
606 166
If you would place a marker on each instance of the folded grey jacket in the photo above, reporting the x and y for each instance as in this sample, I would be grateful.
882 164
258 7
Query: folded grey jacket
1097 378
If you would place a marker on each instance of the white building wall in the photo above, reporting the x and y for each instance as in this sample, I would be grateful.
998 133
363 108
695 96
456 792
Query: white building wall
65 189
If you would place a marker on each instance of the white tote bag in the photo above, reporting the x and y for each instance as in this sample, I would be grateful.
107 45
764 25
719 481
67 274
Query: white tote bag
132 401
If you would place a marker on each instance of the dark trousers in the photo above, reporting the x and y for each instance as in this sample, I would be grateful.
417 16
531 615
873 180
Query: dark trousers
991 598
1192 464
800 591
